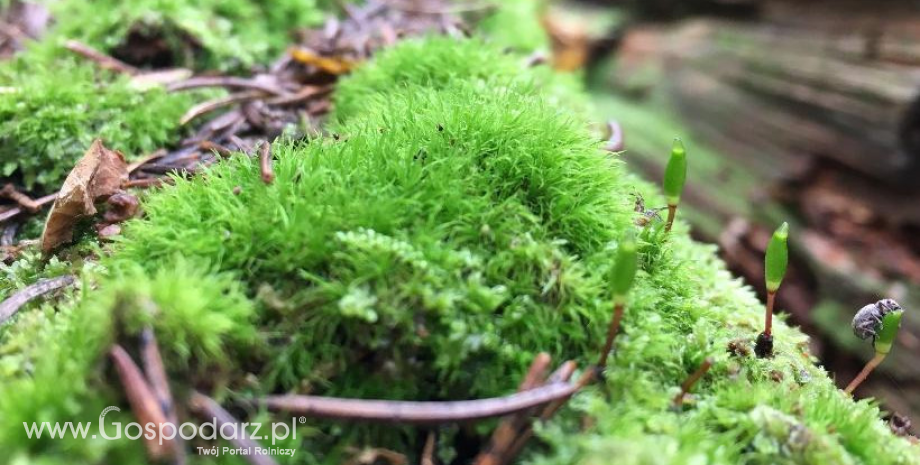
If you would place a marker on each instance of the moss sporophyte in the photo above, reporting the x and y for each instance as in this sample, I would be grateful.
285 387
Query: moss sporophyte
622 276
879 321
775 263
675 175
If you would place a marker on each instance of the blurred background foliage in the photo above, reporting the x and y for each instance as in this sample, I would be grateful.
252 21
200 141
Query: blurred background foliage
798 110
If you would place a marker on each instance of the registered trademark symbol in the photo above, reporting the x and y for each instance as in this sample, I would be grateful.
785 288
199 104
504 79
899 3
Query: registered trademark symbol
302 420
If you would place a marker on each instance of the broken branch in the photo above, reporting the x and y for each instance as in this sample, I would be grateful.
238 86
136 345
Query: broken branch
265 162
689 382
104 61
41 202
223 81
10 306
142 400
506 432
209 410
392 411
9 191
217 103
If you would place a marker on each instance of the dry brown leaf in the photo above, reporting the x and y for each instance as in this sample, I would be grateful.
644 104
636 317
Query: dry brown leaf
331 65
96 176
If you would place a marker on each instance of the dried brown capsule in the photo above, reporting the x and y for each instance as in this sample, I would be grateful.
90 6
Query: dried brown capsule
739 348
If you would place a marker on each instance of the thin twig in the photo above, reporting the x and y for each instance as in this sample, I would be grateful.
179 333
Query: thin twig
417 412
9 191
212 146
506 432
104 61
13 303
226 81
536 374
146 182
242 145
158 153
159 383
209 410
428 450
41 202
305 93
143 402
265 162
562 374
689 382
217 103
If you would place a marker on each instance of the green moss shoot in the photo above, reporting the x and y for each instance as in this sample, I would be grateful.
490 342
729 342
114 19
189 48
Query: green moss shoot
209 34
53 114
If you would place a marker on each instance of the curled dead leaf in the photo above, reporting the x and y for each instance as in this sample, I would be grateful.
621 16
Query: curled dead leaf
331 65
96 176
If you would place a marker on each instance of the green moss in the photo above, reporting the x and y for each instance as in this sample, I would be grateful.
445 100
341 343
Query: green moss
210 34
54 114
516 24
485 217
60 354
437 62
447 237
746 410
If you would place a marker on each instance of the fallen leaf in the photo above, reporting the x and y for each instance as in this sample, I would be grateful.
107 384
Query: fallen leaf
331 65
96 176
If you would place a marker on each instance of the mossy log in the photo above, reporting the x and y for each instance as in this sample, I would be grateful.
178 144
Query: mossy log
815 125
463 221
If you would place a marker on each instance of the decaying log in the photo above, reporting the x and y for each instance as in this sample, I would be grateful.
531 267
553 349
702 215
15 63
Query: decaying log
813 122
797 93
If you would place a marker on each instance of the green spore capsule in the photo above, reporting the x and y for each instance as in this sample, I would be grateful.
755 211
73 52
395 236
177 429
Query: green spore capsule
675 174
881 322
888 331
623 273
777 258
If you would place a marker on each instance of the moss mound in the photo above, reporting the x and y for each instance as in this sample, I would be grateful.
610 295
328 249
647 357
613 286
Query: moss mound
52 114
209 34
51 107
459 226
446 61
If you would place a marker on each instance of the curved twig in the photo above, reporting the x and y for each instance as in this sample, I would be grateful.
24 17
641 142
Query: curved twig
10 306
104 61
209 410
393 411
214 104
143 401
41 202
231 82
307 92
265 162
